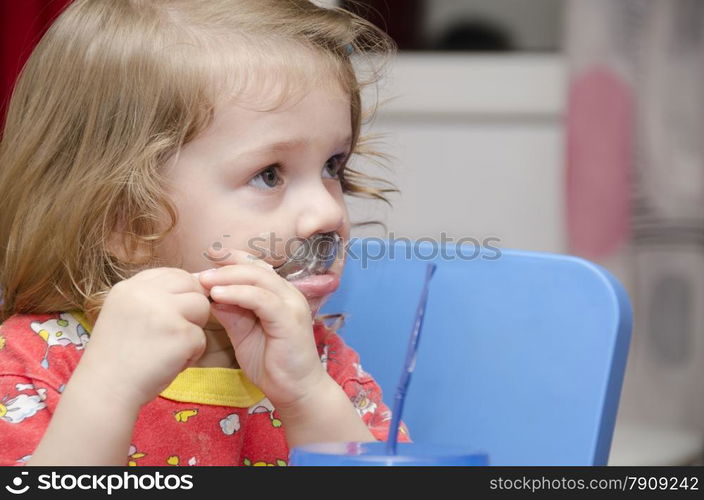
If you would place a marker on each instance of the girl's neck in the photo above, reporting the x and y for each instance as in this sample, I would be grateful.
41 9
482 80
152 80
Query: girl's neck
218 351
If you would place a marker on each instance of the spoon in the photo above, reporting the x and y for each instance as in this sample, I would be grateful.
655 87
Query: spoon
315 256
410 363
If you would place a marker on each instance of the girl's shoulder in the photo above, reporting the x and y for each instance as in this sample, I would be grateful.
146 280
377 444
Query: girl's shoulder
44 346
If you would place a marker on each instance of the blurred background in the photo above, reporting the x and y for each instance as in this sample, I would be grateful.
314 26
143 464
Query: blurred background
566 126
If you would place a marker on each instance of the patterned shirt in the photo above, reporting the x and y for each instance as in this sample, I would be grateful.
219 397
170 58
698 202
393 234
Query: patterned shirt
206 416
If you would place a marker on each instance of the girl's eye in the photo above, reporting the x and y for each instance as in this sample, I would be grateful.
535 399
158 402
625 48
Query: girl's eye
334 165
269 176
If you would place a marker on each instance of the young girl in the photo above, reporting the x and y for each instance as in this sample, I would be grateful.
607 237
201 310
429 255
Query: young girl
148 144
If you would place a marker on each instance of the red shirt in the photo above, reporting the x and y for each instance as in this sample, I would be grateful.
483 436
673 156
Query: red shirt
207 416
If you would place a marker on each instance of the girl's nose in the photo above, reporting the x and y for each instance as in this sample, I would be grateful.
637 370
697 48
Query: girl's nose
321 212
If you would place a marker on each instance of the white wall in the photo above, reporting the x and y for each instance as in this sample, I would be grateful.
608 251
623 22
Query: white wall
479 143
326 3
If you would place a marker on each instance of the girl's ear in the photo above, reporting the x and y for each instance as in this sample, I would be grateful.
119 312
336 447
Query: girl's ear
116 247
124 249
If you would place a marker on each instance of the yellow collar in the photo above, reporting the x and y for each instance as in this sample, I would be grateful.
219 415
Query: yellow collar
212 386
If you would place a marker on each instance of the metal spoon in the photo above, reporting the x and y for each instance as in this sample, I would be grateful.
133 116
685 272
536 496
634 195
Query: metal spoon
315 256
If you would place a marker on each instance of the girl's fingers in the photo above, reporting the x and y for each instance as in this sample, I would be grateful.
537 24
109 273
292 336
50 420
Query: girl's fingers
238 321
229 256
237 318
170 279
193 306
245 275
266 305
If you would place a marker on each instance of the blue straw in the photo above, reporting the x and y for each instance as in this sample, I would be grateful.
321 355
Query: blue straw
409 365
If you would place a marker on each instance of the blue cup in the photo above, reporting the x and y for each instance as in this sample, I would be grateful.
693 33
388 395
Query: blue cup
374 454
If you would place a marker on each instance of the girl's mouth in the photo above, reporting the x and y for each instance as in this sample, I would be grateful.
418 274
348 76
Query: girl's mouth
317 285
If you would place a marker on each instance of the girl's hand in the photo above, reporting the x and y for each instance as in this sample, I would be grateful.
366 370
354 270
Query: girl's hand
269 324
149 329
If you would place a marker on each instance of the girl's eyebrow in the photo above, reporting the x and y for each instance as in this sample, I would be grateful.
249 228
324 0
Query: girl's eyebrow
286 145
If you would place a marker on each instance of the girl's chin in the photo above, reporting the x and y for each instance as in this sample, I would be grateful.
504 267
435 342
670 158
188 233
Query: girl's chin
315 303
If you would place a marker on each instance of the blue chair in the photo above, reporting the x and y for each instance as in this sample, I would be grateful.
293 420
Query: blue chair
522 354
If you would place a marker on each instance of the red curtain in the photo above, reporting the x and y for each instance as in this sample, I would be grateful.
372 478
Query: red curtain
22 24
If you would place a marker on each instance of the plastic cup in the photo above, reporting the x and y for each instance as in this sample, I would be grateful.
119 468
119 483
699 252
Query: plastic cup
374 454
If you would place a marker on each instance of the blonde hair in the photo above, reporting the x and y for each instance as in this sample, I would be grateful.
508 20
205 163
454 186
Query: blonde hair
113 90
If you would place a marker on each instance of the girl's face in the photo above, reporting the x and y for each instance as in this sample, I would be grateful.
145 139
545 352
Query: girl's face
262 180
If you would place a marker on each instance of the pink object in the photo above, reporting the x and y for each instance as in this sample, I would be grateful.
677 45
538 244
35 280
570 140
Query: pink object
317 285
599 161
